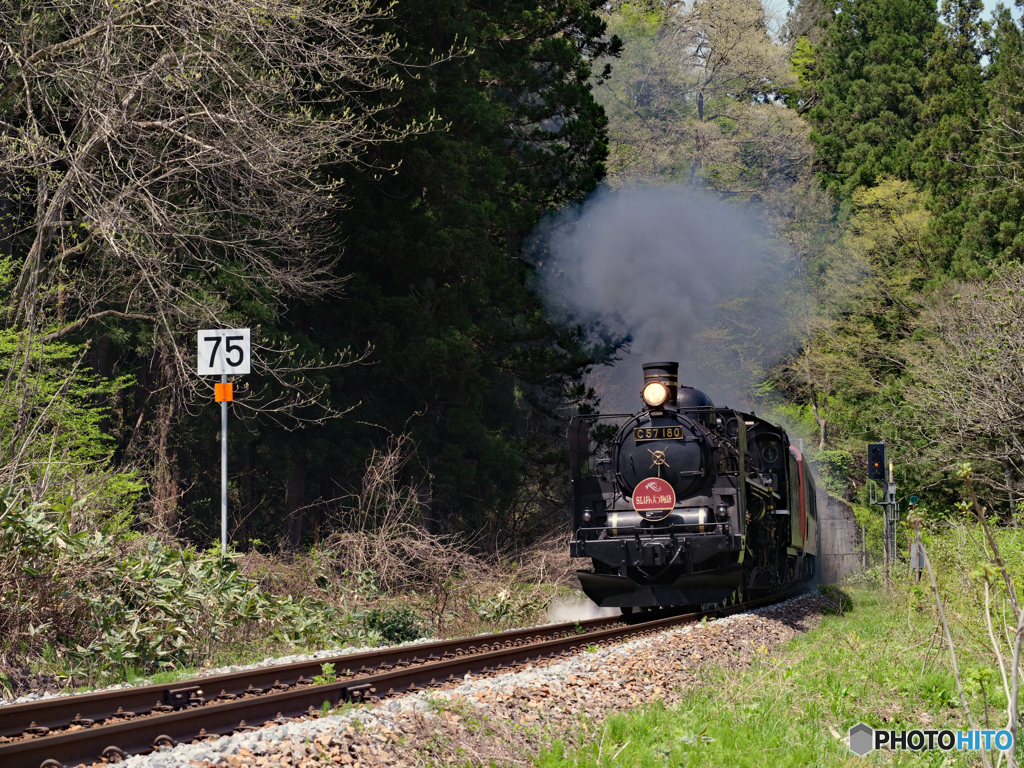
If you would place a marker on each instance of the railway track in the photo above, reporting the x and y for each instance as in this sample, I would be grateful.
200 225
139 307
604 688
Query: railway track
83 729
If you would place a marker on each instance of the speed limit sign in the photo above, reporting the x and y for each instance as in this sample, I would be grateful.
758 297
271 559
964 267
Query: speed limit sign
224 351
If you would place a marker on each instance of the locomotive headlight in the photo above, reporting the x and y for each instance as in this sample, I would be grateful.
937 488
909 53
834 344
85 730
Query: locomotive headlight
655 394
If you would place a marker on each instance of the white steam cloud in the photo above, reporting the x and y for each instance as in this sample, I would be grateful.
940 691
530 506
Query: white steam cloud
577 609
666 268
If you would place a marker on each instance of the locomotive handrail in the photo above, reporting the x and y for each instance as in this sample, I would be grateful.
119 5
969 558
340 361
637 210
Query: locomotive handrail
625 530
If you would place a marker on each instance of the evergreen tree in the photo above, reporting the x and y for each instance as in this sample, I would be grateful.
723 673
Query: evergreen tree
464 359
955 102
993 232
871 65
946 150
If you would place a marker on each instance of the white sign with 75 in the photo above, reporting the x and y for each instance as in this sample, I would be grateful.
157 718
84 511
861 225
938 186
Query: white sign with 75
224 351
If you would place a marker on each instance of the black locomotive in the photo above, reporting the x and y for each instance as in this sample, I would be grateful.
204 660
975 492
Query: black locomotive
686 504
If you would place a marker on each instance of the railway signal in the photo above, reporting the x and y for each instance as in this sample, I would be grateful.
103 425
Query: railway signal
221 352
886 500
876 461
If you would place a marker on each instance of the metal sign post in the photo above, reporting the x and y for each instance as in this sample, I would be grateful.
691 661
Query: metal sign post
890 518
916 548
223 468
223 352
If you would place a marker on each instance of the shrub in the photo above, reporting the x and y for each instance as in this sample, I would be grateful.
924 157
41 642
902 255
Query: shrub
834 470
394 624
507 607
104 605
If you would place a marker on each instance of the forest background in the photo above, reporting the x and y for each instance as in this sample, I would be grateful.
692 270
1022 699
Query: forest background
360 184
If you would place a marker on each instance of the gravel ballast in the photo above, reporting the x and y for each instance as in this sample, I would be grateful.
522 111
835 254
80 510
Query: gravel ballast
508 718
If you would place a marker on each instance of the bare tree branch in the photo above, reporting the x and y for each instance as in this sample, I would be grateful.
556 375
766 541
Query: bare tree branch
67 330
183 157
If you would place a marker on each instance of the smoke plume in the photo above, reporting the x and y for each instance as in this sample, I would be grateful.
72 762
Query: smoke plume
679 275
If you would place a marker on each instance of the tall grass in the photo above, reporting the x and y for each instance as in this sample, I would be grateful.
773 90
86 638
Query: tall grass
883 659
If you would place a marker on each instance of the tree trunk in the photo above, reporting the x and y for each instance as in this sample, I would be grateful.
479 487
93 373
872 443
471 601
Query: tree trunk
294 501
1009 490
822 423
166 475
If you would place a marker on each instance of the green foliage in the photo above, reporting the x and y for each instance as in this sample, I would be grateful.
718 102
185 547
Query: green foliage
327 675
947 149
994 204
803 61
56 420
799 418
871 66
694 98
393 624
833 467
106 606
45 550
852 366
506 607
366 583
466 360
869 519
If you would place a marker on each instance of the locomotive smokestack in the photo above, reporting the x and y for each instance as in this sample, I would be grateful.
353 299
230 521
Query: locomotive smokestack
666 374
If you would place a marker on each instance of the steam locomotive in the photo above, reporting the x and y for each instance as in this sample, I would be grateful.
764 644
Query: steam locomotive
686 504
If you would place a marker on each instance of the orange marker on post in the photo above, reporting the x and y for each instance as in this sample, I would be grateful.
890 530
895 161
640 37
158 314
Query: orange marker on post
223 393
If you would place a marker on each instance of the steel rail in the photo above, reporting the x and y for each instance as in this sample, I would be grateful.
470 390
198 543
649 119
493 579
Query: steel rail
58 712
144 734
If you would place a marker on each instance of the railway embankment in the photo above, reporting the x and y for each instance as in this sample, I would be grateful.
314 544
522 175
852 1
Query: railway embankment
514 718
778 686
83 608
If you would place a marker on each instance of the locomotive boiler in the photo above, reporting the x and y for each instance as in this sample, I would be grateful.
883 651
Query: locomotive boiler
686 504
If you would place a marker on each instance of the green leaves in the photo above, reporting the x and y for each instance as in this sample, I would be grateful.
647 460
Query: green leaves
466 360
393 624
107 605
871 68
506 607
327 674
833 468
55 426
695 98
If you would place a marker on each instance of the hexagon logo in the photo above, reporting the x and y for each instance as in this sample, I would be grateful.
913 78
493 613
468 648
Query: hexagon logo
862 739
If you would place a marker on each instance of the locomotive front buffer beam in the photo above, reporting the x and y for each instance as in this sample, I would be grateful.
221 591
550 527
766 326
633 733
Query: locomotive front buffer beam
674 557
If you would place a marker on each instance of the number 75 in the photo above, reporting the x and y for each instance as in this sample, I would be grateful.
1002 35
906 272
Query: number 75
229 348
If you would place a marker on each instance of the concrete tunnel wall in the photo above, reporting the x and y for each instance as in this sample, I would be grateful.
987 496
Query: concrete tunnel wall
841 545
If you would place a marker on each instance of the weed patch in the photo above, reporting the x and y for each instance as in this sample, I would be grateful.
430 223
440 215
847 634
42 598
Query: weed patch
867 661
